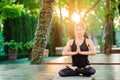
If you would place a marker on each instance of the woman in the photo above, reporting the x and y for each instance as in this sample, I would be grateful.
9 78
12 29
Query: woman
78 48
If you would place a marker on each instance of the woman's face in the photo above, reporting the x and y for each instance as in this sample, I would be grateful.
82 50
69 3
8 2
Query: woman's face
79 31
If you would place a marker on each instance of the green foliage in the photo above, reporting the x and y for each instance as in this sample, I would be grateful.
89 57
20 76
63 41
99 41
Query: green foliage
28 44
1 43
20 29
64 40
10 10
30 6
4 3
13 45
22 55
95 19
101 42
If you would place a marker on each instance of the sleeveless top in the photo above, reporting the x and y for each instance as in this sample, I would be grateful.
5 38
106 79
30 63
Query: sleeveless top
78 59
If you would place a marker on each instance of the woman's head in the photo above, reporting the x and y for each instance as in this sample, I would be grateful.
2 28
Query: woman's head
80 29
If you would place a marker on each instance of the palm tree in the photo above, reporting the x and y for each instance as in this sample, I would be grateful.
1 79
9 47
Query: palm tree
42 31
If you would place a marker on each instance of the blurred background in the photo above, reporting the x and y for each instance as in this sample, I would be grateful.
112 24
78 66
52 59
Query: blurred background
19 18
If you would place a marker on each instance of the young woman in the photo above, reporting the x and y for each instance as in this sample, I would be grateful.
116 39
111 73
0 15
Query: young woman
78 48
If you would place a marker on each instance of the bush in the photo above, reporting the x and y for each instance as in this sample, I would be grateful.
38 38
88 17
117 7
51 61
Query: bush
13 45
28 44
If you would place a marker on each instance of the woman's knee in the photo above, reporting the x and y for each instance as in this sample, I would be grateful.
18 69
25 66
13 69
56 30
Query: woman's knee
61 73
91 71
67 72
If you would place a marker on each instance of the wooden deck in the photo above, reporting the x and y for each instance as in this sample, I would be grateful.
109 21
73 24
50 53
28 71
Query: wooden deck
115 50
107 68
98 59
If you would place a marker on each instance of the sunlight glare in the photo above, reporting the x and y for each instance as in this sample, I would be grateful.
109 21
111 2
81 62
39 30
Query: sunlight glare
64 12
76 17
117 21
60 60
82 13
93 12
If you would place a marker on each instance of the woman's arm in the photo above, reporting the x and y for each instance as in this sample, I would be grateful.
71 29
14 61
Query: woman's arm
91 51
66 50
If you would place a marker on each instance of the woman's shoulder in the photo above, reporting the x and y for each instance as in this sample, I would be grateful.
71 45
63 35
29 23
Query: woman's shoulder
70 41
88 41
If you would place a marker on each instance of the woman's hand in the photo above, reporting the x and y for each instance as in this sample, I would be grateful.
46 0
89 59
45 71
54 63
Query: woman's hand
74 53
78 49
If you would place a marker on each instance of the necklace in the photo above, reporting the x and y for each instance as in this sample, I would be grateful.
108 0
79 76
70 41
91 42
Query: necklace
79 42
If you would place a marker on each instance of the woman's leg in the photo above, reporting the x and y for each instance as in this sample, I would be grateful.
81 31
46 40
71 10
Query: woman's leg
67 72
88 71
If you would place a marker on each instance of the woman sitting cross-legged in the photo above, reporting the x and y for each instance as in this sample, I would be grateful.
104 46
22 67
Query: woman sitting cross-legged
79 49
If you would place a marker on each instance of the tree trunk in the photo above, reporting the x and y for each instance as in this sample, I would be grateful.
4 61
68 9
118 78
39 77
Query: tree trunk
62 21
109 27
71 24
42 32
113 10
119 8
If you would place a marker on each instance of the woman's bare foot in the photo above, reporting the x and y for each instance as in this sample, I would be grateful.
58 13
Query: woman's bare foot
71 67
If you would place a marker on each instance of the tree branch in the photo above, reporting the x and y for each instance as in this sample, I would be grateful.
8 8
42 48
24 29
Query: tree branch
91 9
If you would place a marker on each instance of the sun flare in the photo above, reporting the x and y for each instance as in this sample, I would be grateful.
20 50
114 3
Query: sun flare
64 12
76 17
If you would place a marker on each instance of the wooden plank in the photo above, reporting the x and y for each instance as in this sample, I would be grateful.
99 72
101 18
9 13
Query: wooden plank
115 50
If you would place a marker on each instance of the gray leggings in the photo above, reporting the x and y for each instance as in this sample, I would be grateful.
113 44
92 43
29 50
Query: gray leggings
84 71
